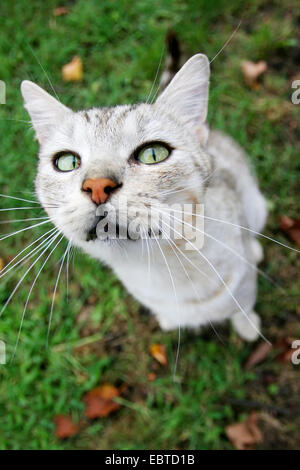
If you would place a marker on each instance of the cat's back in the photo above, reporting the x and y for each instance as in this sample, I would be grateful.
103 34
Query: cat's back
232 171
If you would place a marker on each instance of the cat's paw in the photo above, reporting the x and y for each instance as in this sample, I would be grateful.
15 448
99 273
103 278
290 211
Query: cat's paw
248 327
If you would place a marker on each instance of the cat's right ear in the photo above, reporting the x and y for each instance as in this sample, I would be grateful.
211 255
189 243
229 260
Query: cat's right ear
44 110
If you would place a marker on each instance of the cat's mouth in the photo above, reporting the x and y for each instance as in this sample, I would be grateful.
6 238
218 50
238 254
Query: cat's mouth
118 233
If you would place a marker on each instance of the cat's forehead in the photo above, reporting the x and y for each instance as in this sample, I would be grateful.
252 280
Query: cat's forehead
126 125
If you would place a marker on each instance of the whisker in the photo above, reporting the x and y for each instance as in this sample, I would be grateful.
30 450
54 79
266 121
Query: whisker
227 42
46 75
29 255
171 242
18 208
18 198
224 284
67 270
54 293
177 303
29 294
156 75
25 274
237 226
23 220
26 228
236 253
4 270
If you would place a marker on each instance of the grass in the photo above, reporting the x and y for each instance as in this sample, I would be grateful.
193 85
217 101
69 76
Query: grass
120 43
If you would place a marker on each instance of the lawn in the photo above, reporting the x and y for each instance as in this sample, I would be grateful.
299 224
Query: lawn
99 334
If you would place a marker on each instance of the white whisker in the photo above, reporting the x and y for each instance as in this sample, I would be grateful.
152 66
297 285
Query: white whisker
29 294
171 242
237 226
24 229
54 292
223 282
177 304
23 220
25 274
18 198
5 270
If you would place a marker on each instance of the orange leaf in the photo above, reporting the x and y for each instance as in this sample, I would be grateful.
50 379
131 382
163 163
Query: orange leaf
258 355
287 351
100 401
245 435
291 227
152 376
159 352
65 427
73 71
60 11
252 71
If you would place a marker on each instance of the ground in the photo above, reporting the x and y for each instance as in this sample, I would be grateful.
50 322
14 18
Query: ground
98 333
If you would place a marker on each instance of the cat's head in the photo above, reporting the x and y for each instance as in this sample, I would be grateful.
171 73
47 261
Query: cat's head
140 155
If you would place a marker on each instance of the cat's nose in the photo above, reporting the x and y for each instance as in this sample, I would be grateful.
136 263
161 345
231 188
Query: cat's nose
99 188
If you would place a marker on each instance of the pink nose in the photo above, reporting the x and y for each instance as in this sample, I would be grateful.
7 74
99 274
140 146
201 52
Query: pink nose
100 188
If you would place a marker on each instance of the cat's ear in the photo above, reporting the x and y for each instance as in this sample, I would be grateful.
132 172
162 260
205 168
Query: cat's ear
44 110
187 94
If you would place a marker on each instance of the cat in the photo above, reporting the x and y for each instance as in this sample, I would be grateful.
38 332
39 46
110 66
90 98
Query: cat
152 156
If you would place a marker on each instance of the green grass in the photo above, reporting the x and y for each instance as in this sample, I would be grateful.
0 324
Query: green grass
120 43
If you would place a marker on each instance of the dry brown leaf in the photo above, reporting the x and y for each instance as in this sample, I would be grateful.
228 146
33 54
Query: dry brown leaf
60 11
152 376
73 71
159 352
285 344
258 355
65 427
252 70
100 401
291 227
245 435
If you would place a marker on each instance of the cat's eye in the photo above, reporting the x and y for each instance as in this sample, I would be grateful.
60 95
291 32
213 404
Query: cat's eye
67 162
153 153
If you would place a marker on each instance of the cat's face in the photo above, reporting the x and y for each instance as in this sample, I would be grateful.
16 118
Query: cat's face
147 151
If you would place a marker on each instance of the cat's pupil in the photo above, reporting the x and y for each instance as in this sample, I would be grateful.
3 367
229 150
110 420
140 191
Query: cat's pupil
153 154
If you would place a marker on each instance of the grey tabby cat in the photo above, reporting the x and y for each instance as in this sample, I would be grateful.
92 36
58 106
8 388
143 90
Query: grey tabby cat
152 156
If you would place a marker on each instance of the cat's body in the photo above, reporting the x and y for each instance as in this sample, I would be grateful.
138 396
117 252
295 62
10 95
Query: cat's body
186 286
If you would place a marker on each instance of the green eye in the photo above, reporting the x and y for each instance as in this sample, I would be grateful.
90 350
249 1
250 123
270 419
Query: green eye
153 154
67 162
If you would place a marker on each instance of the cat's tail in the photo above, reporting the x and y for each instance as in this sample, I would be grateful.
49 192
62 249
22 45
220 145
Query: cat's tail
173 60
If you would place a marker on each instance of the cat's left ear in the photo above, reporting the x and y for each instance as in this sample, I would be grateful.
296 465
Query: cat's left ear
44 110
187 94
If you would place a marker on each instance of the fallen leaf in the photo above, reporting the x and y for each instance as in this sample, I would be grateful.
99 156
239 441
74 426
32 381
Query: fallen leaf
73 71
287 351
65 427
252 70
159 352
100 401
291 227
152 376
60 11
245 435
258 355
